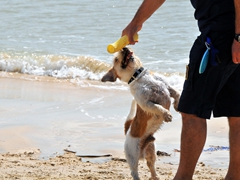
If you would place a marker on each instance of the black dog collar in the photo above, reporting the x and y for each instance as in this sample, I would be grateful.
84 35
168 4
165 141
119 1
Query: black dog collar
134 76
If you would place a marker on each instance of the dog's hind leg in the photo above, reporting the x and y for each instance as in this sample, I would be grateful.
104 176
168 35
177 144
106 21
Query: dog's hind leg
150 156
132 153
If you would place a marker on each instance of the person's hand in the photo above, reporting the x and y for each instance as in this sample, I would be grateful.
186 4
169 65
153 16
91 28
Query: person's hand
130 30
236 52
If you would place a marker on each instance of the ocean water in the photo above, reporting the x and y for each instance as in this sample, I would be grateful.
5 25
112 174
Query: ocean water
61 45
69 38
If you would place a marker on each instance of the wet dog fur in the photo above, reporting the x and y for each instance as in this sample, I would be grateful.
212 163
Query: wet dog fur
150 107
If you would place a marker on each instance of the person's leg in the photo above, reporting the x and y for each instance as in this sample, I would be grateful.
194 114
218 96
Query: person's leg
193 137
234 141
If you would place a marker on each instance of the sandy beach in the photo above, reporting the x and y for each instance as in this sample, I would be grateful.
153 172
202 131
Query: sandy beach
43 116
53 55
27 166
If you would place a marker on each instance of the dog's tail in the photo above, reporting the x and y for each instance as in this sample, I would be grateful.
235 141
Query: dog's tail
127 125
130 116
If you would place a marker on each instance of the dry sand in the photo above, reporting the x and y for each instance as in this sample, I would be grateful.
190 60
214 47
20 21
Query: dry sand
27 165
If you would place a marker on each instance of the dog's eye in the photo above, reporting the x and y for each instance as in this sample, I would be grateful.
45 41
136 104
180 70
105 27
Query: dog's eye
116 59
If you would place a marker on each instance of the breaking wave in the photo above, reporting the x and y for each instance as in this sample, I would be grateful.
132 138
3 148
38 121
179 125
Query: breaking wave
52 65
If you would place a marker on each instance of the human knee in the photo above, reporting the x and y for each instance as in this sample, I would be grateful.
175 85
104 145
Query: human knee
190 117
191 121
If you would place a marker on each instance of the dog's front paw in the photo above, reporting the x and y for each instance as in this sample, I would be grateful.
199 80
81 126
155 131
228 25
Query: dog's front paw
167 117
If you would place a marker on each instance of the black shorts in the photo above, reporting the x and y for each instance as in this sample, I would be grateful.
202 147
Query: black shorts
216 90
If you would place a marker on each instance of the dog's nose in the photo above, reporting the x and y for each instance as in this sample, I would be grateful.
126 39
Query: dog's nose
106 78
103 79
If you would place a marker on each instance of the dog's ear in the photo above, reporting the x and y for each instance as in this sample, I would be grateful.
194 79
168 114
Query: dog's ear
110 76
127 56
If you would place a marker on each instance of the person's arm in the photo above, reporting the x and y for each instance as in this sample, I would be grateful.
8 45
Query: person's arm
236 45
147 8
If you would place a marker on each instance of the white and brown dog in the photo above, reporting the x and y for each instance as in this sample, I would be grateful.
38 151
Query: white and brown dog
150 107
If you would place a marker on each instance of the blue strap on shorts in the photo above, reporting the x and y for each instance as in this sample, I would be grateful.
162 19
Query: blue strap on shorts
210 53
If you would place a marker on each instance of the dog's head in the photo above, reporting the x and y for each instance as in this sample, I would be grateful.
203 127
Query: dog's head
125 63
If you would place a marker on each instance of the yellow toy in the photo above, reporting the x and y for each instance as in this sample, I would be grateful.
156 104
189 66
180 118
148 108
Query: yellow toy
120 43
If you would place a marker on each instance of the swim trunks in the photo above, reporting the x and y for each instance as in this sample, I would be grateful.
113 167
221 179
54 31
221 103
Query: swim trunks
216 90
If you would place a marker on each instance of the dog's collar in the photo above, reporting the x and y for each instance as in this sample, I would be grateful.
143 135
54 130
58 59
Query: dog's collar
134 76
